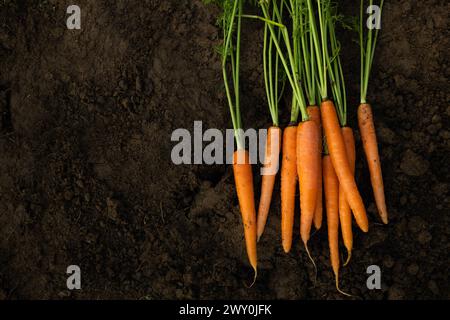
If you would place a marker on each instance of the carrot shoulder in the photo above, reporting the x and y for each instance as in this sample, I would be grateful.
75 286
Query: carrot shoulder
369 139
243 178
272 155
288 185
338 155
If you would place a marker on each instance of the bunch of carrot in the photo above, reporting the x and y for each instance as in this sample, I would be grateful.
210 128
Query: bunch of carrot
318 150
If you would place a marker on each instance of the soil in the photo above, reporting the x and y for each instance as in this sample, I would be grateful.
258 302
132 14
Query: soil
86 176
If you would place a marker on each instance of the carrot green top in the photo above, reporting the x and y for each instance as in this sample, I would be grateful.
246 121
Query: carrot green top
334 66
367 45
272 12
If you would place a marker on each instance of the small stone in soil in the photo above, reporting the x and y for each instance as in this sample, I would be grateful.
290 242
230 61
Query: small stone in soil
388 262
413 269
395 293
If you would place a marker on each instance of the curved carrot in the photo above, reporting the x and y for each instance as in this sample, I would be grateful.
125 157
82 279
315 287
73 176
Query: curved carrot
314 114
331 186
307 170
272 156
243 178
338 155
369 139
345 214
288 185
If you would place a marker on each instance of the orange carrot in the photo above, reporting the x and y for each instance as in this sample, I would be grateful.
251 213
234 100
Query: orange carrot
272 155
288 185
345 214
341 164
307 170
314 114
369 139
243 178
331 186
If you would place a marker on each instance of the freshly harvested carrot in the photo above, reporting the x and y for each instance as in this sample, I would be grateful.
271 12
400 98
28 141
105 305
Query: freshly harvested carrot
369 139
272 155
243 178
341 163
288 185
367 45
331 186
345 214
314 114
307 169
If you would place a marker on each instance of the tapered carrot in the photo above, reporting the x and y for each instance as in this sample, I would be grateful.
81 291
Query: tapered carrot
369 139
307 169
272 155
331 186
288 185
314 114
243 178
345 215
341 164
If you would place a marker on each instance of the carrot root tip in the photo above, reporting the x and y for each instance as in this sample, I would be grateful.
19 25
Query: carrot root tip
312 261
339 290
349 256
254 278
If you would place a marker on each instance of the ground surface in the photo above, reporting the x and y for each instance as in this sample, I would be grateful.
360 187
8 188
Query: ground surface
86 176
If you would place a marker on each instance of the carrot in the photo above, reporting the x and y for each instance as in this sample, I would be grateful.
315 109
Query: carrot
341 164
231 24
243 178
288 185
345 215
314 114
367 45
272 155
369 139
331 186
307 169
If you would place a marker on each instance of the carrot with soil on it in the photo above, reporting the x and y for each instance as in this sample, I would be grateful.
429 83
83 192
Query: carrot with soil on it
365 116
231 23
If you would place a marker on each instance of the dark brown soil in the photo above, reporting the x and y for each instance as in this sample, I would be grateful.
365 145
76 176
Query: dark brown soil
86 176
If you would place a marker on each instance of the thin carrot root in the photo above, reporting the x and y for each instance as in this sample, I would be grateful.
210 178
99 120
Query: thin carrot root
338 289
313 262
254 278
349 256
